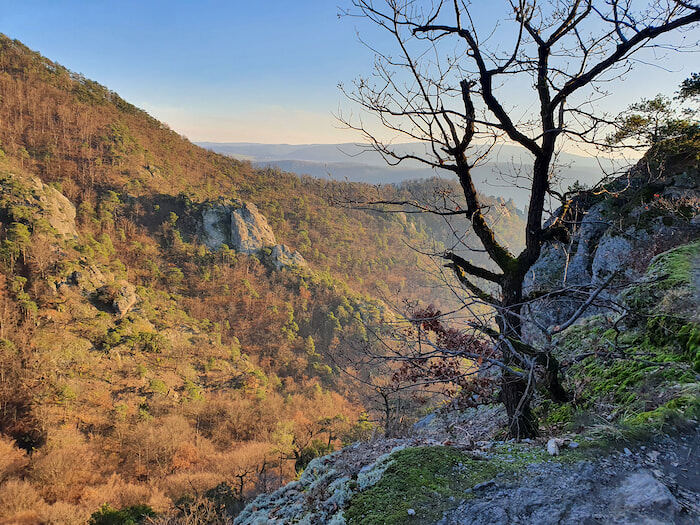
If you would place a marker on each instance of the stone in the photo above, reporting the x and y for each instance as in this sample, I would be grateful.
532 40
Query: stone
121 297
411 512
283 256
250 231
125 299
44 202
55 208
425 422
238 224
215 227
552 447
642 492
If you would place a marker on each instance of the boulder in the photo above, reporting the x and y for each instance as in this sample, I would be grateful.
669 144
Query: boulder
642 492
125 299
120 297
283 256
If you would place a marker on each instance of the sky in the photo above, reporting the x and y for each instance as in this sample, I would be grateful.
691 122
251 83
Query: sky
234 71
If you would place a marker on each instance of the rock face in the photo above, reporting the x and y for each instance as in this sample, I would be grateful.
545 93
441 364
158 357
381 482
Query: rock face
45 202
616 235
250 231
237 224
125 299
120 297
58 210
242 227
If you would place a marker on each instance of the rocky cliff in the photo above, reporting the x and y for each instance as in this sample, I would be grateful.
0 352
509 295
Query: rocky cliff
613 236
240 226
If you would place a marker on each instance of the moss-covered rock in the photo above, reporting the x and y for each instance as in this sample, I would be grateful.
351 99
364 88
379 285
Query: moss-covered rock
641 371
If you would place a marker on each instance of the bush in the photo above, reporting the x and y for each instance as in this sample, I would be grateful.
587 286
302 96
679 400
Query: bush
17 496
126 516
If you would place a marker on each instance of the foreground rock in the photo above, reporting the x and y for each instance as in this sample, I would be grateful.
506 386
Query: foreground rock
495 483
621 489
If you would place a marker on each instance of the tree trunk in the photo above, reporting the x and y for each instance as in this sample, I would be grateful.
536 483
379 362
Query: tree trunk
516 393
521 421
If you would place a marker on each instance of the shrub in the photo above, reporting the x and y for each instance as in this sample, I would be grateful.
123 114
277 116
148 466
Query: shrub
12 459
127 516
18 496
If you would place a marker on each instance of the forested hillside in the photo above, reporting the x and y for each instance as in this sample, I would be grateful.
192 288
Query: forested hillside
139 366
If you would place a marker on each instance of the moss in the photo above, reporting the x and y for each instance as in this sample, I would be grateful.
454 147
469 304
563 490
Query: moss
671 414
667 271
561 414
623 381
432 480
654 359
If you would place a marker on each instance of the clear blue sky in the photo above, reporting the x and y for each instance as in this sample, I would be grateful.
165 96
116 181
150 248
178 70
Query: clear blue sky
255 71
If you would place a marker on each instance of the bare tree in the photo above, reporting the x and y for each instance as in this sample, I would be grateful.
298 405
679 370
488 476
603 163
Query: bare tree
445 85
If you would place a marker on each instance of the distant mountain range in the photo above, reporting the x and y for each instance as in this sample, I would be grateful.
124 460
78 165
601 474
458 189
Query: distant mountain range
354 162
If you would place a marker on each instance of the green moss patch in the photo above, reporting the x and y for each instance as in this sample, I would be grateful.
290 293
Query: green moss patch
671 270
667 416
432 480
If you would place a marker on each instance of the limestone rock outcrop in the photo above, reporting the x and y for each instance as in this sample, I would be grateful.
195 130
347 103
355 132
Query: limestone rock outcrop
283 256
242 227
45 201
58 210
616 235
238 224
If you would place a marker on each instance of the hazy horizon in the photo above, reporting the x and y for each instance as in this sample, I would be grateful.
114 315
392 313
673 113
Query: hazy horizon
238 72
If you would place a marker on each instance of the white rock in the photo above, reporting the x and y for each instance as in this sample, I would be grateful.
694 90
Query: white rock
411 512
249 229
552 447
237 224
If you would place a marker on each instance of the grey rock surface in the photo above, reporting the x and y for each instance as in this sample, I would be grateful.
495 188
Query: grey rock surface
55 208
283 256
125 299
249 229
239 225
642 488
612 237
